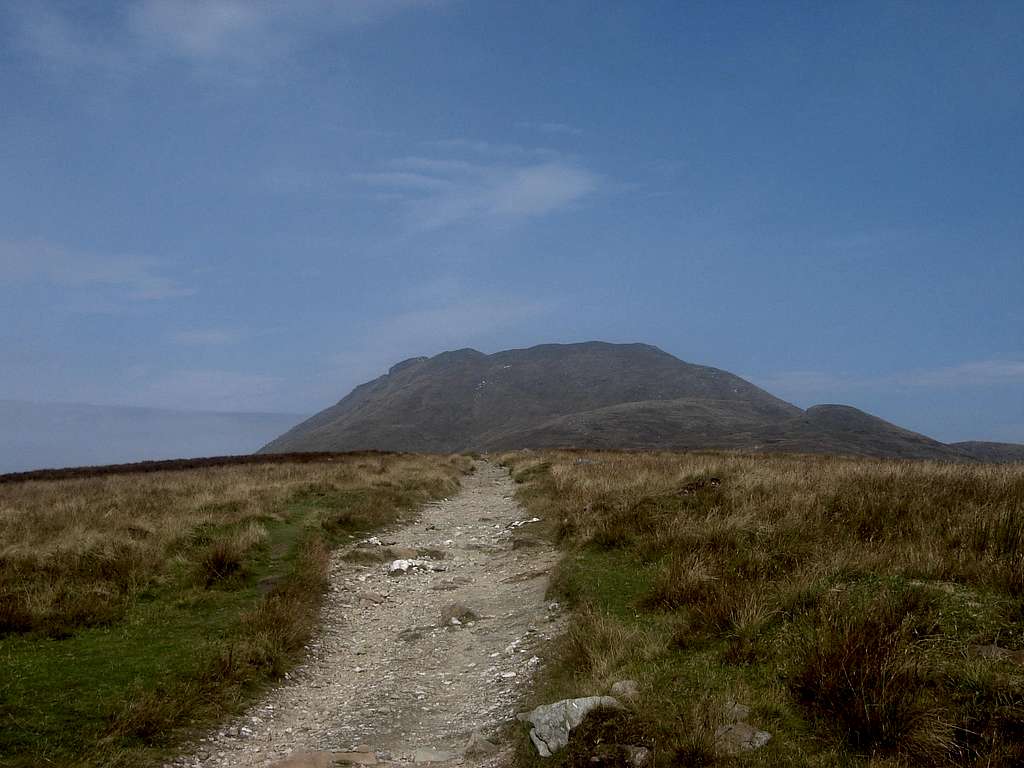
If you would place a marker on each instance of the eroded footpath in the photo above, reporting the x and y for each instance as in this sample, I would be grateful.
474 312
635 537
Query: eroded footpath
415 665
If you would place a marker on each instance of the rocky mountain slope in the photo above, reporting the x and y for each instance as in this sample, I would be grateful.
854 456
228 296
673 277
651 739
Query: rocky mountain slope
589 395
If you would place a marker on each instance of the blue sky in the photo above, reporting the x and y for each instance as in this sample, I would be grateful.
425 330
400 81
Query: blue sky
247 205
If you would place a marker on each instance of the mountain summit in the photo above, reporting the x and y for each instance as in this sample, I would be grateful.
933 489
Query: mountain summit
466 400
589 395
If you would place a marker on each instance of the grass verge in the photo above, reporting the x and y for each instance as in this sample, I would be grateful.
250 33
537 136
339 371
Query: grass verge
136 611
866 612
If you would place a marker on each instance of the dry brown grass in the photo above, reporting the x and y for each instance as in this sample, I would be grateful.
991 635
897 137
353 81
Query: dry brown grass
165 599
77 552
843 595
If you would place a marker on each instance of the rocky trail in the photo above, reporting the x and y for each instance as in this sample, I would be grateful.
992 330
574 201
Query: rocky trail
420 655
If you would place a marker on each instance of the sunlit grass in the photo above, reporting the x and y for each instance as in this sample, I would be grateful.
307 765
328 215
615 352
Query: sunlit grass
841 599
135 609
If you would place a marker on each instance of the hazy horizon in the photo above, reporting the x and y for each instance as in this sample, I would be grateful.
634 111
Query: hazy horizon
232 206
55 435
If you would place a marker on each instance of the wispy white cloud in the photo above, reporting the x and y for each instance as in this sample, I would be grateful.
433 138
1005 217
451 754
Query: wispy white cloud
205 337
539 189
436 192
132 278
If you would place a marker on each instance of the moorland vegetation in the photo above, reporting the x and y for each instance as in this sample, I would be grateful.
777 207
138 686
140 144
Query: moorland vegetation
138 609
868 612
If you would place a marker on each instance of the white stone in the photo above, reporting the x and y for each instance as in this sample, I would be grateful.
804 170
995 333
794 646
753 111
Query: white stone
552 722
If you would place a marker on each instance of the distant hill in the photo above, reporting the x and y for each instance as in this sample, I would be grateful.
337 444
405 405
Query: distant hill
1000 453
590 395
52 435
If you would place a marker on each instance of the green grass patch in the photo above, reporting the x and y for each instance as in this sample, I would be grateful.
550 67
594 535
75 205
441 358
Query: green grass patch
224 606
866 612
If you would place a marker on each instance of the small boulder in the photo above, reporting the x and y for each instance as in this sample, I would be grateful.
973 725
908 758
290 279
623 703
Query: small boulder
400 567
404 566
552 722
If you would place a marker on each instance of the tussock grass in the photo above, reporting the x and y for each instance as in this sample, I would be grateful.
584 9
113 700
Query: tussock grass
841 599
135 609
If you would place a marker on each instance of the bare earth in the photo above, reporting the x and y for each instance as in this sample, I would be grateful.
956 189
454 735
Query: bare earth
384 679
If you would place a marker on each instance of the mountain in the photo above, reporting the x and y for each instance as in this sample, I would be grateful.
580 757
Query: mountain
999 453
842 429
590 395
51 435
466 400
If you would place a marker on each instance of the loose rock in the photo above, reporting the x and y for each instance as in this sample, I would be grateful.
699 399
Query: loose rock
552 722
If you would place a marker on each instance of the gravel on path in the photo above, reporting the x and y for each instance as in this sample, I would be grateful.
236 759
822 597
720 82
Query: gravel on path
408 666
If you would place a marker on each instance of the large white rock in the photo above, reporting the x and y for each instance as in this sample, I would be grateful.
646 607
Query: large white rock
552 722
404 565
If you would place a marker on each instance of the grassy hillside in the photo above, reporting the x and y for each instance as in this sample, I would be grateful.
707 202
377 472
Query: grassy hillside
136 609
868 612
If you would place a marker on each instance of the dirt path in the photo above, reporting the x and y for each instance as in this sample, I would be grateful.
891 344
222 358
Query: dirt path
384 673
